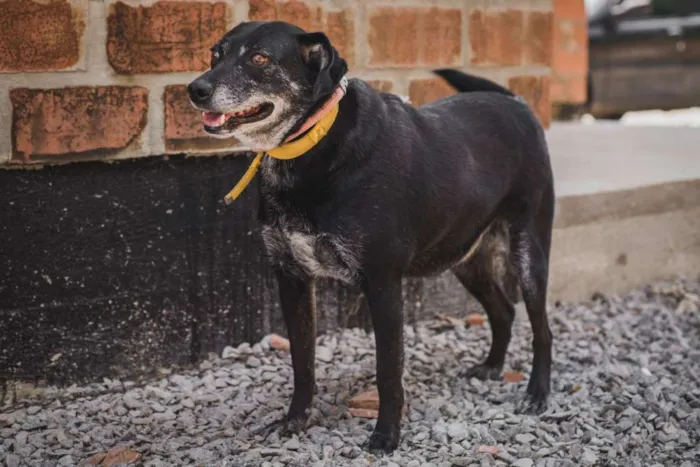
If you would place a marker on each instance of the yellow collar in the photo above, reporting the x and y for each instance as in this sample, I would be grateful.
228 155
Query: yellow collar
287 151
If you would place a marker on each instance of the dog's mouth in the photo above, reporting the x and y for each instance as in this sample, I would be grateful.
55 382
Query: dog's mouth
214 122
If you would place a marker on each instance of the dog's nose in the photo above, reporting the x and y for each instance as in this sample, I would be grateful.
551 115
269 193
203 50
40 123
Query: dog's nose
200 90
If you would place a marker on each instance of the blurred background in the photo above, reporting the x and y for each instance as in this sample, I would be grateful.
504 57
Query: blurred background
118 256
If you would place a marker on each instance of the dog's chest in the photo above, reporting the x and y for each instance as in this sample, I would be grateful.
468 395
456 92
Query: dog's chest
300 250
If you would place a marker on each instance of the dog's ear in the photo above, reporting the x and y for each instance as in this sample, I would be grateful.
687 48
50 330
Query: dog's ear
323 61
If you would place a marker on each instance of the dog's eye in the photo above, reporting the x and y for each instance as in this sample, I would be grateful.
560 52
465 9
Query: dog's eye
259 59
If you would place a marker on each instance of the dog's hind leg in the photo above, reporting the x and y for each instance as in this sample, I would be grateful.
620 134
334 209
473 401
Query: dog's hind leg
479 279
530 245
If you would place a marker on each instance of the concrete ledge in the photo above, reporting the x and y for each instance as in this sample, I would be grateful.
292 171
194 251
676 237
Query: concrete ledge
616 205
615 255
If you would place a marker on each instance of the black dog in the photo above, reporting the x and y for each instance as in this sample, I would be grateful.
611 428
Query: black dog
390 191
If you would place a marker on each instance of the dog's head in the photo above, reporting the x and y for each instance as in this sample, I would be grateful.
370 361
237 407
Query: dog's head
265 77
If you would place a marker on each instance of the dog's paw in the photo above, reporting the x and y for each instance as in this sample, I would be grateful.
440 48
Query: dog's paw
484 372
532 404
380 443
287 426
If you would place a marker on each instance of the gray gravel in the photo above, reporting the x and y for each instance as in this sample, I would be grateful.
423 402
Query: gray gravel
626 392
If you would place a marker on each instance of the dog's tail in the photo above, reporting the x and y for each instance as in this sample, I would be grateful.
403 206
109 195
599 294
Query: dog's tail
463 82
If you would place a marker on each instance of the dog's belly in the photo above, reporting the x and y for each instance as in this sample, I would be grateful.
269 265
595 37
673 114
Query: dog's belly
491 242
318 255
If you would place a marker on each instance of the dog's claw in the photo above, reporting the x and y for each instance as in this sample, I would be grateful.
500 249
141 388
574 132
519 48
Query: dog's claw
484 372
380 443
287 426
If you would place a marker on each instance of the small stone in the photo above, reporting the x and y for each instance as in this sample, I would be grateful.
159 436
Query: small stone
475 319
165 416
439 433
11 460
589 457
366 400
525 462
229 352
199 454
292 444
21 438
156 407
278 342
182 382
253 361
130 401
462 462
513 376
420 436
524 438
187 403
66 460
61 436
162 394
457 431
493 450
33 410
324 354
220 383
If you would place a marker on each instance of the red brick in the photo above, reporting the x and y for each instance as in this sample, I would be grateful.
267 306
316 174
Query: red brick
381 85
422 91
183 124
164 37
340 28
569 9
569 89
40 36
496 37
415 36
76 121
298 13
393 36
570 47
338 25
538 38
442 37
536 91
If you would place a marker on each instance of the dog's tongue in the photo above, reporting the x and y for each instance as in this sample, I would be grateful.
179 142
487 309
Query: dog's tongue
213 118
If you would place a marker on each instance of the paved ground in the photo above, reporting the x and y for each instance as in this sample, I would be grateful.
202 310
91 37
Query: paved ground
644 148
626 392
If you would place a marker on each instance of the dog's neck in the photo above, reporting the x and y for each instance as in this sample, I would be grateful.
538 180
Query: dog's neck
279 173
316 113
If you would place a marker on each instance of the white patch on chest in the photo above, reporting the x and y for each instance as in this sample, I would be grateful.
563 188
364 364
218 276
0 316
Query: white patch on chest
319 255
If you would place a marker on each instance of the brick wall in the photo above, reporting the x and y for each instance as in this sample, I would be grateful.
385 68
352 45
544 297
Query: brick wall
569 52
82 79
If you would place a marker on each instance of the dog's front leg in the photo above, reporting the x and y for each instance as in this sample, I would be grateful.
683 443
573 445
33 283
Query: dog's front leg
386 308
298 301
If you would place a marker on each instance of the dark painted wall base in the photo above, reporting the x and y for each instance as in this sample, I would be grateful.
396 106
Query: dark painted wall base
120 269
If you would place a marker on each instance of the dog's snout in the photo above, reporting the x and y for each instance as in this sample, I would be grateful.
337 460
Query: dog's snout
200 90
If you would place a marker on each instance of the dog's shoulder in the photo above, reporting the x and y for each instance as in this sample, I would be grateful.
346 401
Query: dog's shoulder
371 98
